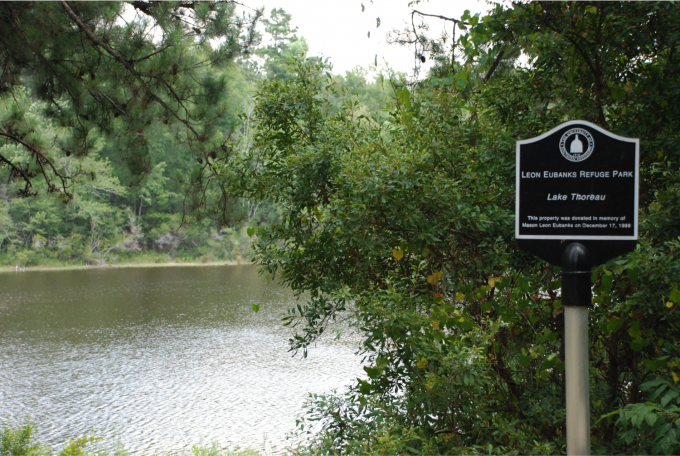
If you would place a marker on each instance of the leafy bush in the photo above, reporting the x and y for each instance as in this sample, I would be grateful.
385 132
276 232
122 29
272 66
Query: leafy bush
18 441
652 426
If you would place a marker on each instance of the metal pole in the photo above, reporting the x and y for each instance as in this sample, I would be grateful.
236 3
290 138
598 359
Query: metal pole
578 385
576 298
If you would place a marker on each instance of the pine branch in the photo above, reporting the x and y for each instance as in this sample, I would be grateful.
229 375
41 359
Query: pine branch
127 64
42 160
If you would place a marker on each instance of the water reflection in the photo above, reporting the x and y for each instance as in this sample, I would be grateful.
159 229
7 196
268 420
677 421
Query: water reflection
158 358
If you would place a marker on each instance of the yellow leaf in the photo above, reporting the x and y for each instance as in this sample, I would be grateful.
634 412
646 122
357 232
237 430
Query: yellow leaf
669 304
461 319
460 296
492 281
398 254
675 377
422 363
672 364
434 278
435 324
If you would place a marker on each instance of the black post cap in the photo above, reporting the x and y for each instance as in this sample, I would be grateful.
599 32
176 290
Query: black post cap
576 276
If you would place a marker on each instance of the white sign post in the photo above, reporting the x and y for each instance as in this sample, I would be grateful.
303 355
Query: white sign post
577 381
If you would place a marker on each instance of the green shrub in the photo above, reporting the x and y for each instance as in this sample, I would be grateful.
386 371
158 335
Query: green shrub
18 441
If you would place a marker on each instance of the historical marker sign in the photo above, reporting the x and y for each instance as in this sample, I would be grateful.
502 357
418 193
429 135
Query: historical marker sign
577 181
577 207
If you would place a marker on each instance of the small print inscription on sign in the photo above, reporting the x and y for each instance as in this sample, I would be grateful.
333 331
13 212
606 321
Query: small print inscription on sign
577 181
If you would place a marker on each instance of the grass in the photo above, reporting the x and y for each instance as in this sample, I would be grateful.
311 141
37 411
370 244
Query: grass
18 440
68 267
40 262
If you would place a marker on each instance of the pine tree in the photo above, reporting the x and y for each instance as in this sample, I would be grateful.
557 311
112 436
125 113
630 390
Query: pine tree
117 69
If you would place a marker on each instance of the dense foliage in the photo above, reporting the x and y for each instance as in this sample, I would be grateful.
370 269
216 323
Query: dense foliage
403 223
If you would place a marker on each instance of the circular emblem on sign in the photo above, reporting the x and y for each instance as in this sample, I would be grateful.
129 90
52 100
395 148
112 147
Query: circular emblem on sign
577 144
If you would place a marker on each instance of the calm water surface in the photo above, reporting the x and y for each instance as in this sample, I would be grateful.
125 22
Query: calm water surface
158 359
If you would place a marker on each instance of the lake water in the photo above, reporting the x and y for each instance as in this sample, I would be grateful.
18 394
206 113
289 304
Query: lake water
159 359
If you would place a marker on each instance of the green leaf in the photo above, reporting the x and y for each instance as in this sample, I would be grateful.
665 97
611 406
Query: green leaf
460 84
250 231
373 372
675 295
669 396
381 362
403 94
256 308
655 364
467 324
614 324
639 343
651 418
364 387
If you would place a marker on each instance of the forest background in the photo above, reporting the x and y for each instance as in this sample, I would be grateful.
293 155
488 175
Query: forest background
131 200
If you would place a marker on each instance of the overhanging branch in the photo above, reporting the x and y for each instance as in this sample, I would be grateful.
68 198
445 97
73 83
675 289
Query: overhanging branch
127 64
457 21
41 160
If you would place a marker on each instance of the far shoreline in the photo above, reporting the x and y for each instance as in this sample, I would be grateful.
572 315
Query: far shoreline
75 267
